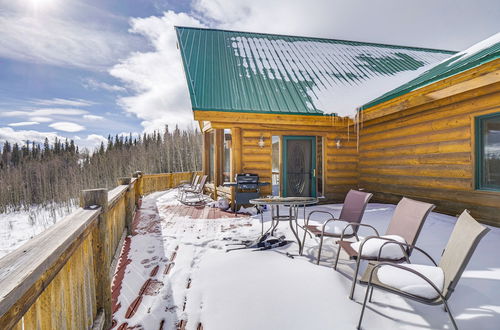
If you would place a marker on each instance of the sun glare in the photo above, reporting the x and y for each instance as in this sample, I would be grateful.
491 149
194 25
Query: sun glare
38 5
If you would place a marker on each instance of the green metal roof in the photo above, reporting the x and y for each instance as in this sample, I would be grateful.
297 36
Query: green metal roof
266 73
483 52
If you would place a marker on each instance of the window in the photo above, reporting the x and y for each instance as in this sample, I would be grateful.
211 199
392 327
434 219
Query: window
488 152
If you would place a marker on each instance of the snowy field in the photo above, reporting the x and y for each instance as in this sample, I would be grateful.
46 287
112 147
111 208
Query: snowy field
197 281
17 227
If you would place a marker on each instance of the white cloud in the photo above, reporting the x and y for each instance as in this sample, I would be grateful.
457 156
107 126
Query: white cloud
127 134
90 142
43 112
66 126
24 123
21 136
93 84
157 78
63 102
41 119
57 40
93 117
415 24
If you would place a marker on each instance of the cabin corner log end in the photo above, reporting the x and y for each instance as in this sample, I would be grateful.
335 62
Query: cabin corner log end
65 271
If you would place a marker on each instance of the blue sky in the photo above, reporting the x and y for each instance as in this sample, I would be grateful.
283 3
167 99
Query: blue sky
86 69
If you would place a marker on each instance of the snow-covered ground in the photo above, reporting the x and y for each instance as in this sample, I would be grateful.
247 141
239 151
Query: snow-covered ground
16 227
199 282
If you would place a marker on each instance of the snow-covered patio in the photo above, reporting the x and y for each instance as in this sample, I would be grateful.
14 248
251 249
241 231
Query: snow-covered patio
175 273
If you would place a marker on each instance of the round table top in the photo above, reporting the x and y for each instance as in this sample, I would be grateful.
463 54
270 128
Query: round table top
284 201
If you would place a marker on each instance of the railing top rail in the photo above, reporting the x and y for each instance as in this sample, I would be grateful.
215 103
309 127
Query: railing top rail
164 174
21 269
28 270
115 194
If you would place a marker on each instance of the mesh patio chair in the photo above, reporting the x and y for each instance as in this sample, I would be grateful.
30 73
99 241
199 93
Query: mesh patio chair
405 226
431 285
196 192
352 212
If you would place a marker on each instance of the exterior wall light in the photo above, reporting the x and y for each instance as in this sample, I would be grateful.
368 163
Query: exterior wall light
261 142
338 144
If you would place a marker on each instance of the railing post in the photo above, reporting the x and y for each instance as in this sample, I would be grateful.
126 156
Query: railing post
91 199
138 187
129 203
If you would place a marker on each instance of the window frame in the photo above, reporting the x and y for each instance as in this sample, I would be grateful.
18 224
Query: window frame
479 152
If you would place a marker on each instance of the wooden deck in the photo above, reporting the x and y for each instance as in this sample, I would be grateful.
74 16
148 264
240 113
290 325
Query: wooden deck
160 265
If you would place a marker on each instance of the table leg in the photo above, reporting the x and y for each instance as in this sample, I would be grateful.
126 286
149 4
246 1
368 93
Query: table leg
274 222
275 219
293 215
262 223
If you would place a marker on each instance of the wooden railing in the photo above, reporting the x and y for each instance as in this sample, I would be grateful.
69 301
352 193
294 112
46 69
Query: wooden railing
61 279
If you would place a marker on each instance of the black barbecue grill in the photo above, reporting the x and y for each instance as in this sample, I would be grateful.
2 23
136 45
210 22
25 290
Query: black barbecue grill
247 187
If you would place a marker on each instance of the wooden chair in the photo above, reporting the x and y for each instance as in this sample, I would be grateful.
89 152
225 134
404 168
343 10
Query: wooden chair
352 212
405 226
420 287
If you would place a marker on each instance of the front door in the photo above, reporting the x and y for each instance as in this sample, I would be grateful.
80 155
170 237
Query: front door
299 166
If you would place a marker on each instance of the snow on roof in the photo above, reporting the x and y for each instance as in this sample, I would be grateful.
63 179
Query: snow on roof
252 72
478 54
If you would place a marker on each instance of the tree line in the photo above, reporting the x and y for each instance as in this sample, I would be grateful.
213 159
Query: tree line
54 173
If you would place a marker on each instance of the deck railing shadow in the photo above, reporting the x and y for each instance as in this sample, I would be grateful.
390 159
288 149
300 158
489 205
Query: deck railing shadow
62 277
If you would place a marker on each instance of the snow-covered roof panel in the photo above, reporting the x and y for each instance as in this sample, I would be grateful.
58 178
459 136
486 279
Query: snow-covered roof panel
480 53
266 73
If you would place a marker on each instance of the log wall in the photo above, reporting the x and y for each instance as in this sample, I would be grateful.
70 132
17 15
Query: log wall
427 152
339 164
61 279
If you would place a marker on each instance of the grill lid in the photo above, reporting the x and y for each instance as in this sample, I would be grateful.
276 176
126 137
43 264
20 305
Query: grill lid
246 178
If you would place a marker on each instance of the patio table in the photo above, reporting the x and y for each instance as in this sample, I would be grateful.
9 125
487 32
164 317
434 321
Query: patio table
293 204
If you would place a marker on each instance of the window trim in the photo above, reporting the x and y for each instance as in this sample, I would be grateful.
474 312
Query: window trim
479 152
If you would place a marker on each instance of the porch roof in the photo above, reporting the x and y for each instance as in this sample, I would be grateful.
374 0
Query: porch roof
268 73
483 52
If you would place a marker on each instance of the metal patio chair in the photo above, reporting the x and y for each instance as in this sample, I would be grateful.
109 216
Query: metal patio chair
183 186
352 212
189 183
463 241
196 192
406 224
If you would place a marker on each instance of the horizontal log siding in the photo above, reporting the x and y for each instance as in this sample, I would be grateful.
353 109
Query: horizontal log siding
255 159
340 165
427 152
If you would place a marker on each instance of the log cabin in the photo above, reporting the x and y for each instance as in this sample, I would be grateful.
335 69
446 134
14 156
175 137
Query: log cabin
437 137
290 109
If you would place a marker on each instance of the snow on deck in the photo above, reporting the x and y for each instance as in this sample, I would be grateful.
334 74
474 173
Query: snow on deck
175 274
